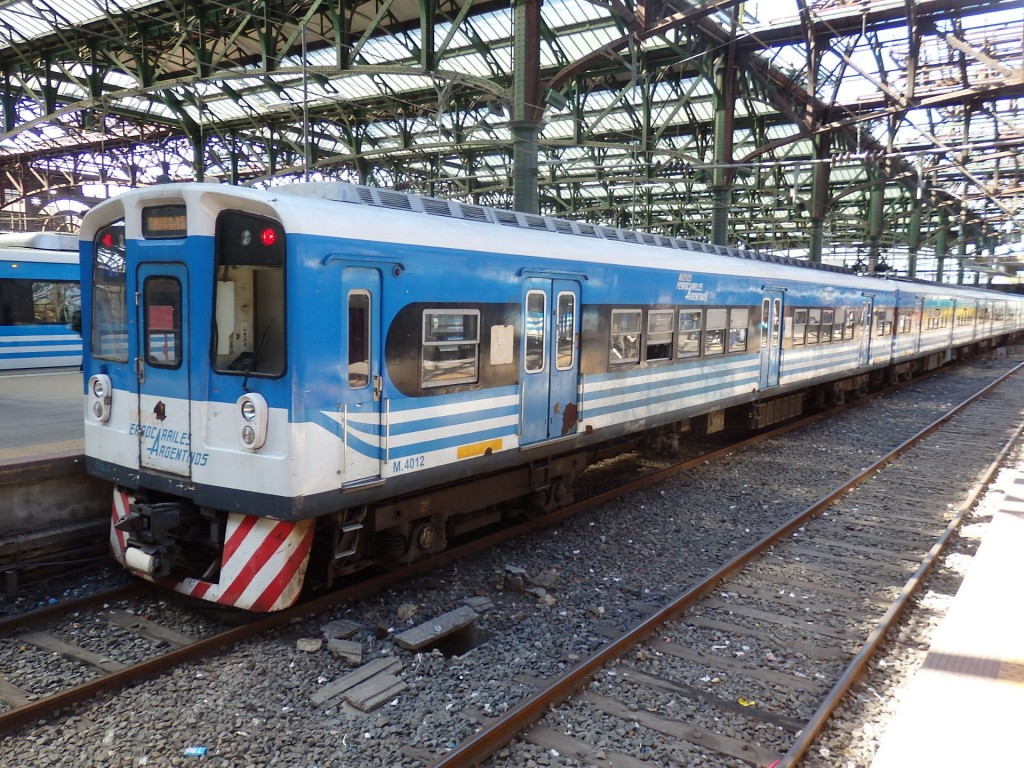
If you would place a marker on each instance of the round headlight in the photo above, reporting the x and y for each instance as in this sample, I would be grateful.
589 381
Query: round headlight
97 410
97 388
248 435
248 410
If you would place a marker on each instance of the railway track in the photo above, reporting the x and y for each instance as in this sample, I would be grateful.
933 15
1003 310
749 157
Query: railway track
163 634
775 638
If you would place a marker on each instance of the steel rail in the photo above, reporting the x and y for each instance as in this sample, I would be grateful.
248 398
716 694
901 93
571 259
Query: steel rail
498 734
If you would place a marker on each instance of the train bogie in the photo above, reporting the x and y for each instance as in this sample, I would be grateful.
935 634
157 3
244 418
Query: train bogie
293 384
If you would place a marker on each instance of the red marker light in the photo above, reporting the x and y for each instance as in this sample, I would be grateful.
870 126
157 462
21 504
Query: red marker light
268 236
107 240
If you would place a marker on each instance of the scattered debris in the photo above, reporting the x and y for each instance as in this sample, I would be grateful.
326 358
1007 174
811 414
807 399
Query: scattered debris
309 644
407 610
348 650
340 629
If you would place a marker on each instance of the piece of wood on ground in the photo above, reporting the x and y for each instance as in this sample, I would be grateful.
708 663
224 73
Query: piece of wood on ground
356 677
431 631
377 690
348 650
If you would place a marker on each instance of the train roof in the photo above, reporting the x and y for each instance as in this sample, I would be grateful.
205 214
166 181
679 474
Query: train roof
453 209
44 241
38 248
460 223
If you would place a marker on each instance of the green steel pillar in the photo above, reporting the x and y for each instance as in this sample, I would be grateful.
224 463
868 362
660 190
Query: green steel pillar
819 198
941 246
876 199
198 155
526 106
962 256
725 117
913 237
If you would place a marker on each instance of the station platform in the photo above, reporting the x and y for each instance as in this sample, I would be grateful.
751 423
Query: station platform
42 413
964 706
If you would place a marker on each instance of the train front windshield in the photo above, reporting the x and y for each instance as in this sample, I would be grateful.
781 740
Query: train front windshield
249 311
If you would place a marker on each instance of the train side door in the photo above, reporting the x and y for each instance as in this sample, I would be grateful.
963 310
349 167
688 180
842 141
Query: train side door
550 359
362 385
771 338
867 313
162 367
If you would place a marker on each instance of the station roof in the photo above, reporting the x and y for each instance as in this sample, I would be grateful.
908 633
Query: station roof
884 127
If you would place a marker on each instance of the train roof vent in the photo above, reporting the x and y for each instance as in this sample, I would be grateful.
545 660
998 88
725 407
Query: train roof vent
535 222
366 196
587 230
609 233
508 218
648 238
472 212
436 207
563 226
667 242
397 200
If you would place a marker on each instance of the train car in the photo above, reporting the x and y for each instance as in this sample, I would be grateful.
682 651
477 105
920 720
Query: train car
287 386
40 314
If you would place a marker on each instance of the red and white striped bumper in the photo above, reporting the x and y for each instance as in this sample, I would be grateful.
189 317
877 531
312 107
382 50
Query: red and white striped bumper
263 563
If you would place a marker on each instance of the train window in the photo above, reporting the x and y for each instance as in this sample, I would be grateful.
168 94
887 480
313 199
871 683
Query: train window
827 319
799 326
765 305
358 339
688 343
661 325
739 319
883 322
451 345
851 324
163 321
109 337
565 354
776 322
625 347
906 321
813 325
38 302
535 331
249 302
714 334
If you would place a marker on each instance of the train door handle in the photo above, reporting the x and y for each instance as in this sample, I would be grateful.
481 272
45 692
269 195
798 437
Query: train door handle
140 370
378 388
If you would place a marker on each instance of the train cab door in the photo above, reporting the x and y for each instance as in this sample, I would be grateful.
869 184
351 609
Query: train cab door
361 405
550 359
867 313
771 338
162 367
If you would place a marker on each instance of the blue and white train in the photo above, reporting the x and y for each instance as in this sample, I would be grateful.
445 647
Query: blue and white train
39 301
286 386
